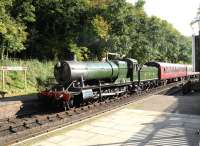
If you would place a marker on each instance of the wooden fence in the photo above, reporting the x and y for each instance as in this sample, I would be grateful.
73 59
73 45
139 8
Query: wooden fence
4 69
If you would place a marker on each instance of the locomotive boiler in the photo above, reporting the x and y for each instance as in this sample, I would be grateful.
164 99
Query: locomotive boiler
67 71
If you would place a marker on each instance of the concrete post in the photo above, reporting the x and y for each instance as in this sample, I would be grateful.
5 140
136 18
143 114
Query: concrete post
193 52
197 53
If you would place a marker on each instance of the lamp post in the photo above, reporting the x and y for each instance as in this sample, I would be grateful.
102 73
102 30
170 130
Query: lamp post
195 25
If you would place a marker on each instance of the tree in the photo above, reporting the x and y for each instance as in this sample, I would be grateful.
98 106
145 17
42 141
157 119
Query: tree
101 30
81 53
119 15
51 29
58 23
185 50
23 11
12 33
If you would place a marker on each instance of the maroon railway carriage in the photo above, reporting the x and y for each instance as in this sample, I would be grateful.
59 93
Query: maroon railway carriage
169 71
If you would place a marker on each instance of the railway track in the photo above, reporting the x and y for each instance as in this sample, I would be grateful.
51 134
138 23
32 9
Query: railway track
16 129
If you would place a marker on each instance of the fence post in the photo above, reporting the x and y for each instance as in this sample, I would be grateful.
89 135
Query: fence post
3 80
25 81
5 69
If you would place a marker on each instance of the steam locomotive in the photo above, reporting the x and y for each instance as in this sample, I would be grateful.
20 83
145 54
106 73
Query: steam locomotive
85 82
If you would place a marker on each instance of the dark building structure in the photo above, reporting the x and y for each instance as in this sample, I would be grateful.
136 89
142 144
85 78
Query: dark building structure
196 52
196 42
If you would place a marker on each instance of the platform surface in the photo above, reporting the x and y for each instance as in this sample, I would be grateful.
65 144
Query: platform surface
158 120
13 106
126 127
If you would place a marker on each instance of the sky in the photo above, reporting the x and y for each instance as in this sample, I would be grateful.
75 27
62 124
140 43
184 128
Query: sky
179 13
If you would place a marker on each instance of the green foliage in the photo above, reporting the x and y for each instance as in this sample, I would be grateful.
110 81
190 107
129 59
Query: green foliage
23 11
50 29
58 22
100 27
36 71
99 2
81 53
12 32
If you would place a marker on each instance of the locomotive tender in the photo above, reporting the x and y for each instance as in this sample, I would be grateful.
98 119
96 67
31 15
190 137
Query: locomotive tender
83 82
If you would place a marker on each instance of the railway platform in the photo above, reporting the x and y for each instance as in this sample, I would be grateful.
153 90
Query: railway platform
14 106
158 120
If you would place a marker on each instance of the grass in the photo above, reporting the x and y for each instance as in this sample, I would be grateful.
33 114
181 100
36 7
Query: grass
38 71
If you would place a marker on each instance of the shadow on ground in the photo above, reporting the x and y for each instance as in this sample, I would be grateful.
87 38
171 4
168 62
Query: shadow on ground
22 98
17 106
177 129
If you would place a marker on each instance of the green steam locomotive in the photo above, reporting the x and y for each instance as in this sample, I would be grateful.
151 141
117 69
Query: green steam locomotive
85 82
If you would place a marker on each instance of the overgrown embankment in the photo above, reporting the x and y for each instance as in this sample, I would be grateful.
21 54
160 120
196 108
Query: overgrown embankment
38 71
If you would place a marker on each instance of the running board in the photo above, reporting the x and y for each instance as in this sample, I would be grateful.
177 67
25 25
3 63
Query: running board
112 94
